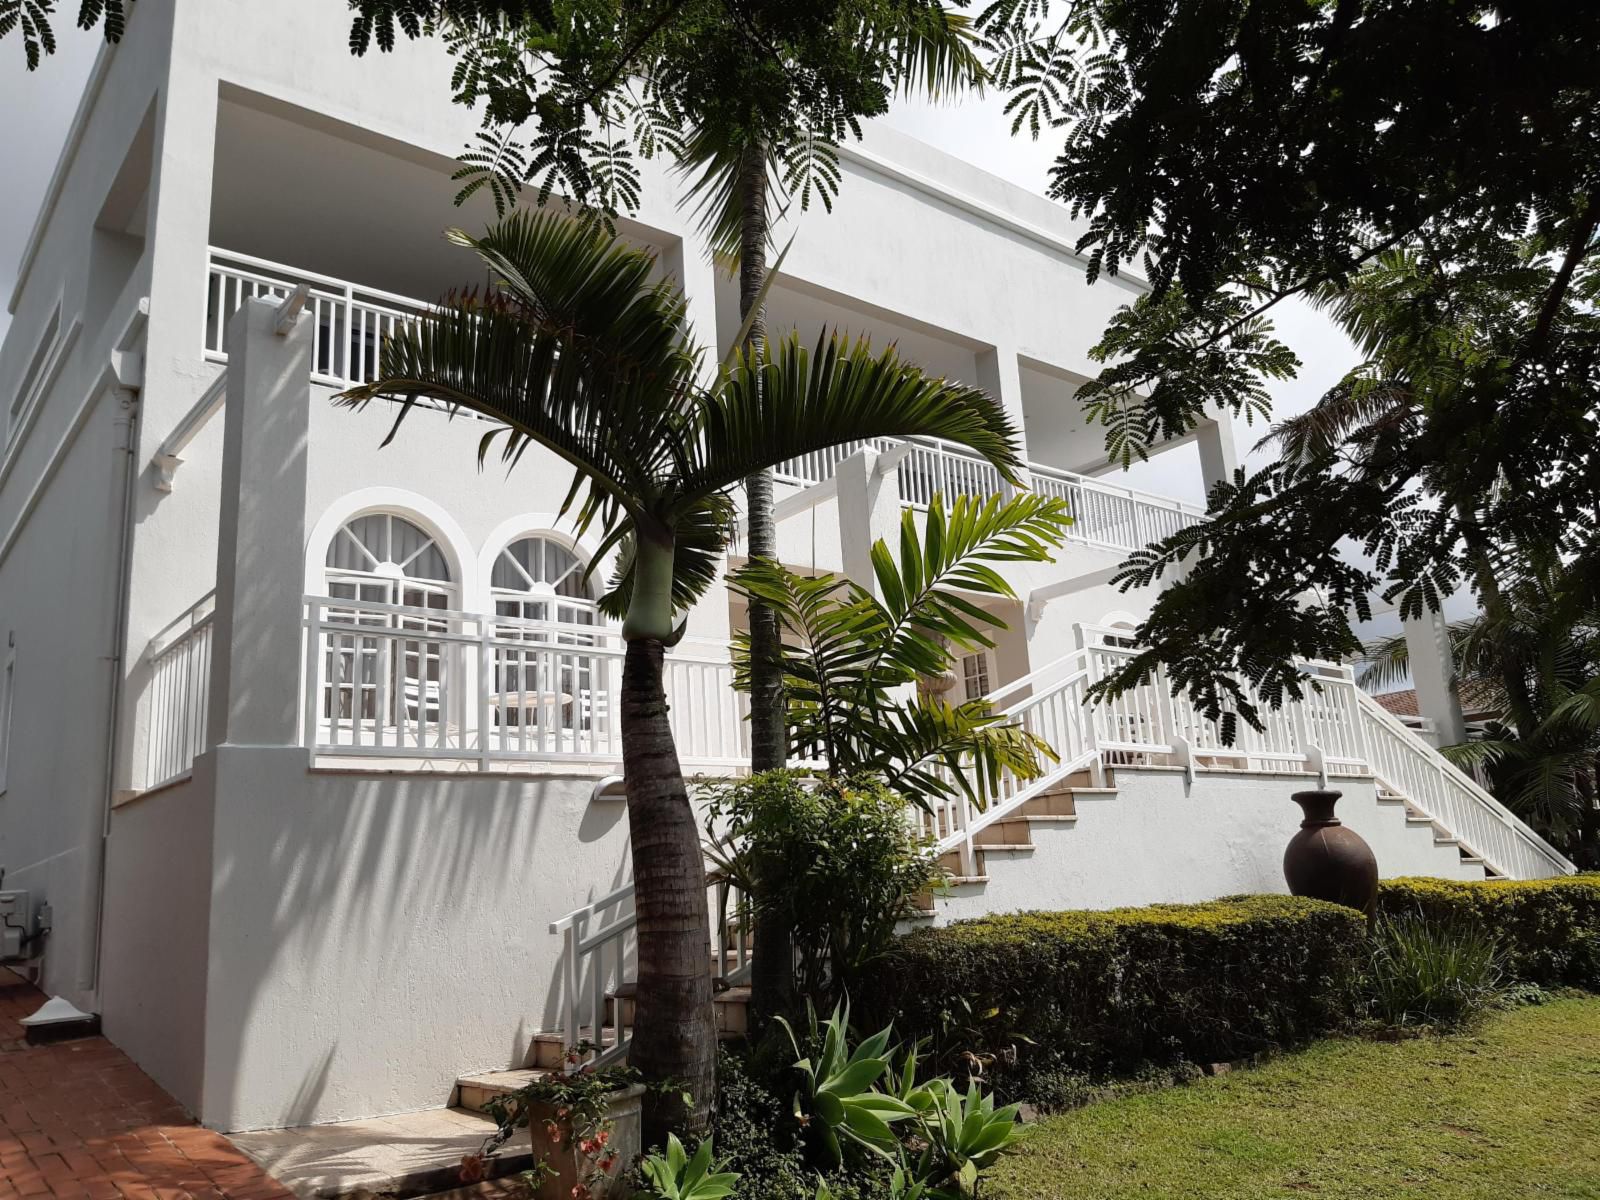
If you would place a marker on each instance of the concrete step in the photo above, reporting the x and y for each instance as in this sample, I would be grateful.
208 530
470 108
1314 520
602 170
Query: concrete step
1094 793
1008 831
473 1092
1050 804
1418 819
731 1007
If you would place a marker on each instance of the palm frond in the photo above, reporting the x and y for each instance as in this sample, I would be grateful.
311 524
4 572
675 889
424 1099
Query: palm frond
1386 662
936 54
783 400
927 748
575 350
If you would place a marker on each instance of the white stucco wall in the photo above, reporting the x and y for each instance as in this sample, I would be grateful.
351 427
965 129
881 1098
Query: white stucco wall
1162 840
374 936
157 932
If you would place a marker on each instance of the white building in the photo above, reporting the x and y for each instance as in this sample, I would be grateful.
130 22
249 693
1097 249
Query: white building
293 755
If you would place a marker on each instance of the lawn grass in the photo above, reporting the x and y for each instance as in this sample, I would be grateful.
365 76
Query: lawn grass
1508 1111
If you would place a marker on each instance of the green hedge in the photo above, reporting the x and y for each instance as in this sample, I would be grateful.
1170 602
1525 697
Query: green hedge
1117 992
1549 929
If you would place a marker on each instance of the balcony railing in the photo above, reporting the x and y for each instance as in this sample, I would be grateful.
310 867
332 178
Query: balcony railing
350 323
483 692
173 703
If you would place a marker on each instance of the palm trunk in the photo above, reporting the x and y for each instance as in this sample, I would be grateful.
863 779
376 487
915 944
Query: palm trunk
674 1024
772 958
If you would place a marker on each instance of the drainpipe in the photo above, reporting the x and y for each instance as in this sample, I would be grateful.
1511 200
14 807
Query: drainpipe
127 368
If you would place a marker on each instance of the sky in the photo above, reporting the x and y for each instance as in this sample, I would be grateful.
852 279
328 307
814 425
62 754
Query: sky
38 109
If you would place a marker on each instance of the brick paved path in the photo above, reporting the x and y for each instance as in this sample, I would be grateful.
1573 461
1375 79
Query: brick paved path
80 1119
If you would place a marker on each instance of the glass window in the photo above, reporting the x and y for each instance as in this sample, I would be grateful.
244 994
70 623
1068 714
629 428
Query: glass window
383 559
975 675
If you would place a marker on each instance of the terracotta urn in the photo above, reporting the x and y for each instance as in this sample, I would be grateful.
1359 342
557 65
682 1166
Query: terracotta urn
1327 861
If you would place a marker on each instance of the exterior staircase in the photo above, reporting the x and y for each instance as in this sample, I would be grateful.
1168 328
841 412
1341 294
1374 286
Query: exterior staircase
1334 733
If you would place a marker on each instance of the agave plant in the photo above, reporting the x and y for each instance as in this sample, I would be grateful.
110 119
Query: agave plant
676 1176
573 348
838 1095
965 1133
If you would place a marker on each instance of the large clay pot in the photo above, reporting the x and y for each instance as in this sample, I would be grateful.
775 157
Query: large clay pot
1327 861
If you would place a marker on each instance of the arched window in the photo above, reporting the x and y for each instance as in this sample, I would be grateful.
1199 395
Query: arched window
383 558
546 672
537 578
395 680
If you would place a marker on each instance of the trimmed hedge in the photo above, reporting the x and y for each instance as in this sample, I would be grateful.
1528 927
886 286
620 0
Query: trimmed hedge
1122 991
1548 929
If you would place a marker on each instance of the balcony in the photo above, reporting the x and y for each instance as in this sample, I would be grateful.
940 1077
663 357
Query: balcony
350 324
435 689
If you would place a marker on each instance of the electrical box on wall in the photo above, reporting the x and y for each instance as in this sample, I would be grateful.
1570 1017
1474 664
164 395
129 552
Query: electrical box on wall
14 917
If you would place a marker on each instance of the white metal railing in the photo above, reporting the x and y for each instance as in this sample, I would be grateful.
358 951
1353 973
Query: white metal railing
1103 514
349 323
1407 765
177 689
396 682
1335 730
1107 515
599 946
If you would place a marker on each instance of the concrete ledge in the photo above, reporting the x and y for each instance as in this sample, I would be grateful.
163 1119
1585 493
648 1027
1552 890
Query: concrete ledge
414 1154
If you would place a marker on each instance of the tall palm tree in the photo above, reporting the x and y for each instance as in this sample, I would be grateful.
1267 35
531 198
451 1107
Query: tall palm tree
574 349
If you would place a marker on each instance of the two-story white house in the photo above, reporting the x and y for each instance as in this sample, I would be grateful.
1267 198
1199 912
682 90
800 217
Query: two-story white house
309 747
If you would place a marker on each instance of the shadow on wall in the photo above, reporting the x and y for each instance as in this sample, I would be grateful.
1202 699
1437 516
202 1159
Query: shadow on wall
374 937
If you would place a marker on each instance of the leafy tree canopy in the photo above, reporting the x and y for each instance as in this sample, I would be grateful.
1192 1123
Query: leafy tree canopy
1426 171
32 20
575 94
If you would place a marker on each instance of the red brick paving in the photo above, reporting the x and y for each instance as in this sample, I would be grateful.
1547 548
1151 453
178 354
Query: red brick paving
80 1119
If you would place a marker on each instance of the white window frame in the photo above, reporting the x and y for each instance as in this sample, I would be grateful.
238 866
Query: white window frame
8 685
34 379
985 672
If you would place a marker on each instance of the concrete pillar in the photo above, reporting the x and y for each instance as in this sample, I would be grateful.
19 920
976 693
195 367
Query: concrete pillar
1000 374
1433 674
688 262
256 646
869 508
1219 457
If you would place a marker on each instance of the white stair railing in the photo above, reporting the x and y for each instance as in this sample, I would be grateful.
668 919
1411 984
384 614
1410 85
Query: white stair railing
599 955
1408 766
176 693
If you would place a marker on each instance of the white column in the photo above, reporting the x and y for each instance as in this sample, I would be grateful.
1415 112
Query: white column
1433 674
688 261
256 647
1000 374
869 508
1219 457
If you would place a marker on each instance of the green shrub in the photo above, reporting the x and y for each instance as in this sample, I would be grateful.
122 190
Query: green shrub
834 863
1042 996
1548 930
1428 971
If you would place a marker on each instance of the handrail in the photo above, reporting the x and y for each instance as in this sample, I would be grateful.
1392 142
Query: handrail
1153 499
1439 763
181 626
341 286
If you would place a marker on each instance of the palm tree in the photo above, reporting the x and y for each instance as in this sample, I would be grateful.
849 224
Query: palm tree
574 349
1534 661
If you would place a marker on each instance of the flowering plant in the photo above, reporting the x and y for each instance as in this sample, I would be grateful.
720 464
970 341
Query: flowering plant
572 1105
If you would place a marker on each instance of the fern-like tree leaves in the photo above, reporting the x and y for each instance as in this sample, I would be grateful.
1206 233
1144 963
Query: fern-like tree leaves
852 659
